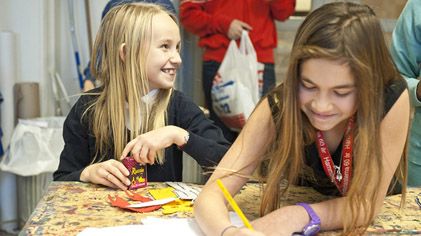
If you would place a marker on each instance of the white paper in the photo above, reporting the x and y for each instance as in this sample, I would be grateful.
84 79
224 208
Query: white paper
156 226
184 191
153 203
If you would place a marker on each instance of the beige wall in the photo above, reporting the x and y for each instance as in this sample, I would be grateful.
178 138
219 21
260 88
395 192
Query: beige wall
386 9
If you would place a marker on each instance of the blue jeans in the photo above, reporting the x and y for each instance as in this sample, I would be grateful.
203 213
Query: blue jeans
208 73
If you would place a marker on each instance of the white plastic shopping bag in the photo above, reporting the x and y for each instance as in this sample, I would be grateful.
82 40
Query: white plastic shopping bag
35 146
235 89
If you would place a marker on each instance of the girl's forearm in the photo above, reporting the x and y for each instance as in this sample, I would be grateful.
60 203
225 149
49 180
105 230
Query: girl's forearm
211 214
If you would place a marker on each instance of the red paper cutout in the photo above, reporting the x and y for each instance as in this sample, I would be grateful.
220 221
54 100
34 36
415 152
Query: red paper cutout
121 203
136 197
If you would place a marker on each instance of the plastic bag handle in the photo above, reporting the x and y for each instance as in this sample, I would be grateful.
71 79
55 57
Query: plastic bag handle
246 46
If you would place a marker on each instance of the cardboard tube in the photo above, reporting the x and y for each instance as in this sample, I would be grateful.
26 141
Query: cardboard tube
27 104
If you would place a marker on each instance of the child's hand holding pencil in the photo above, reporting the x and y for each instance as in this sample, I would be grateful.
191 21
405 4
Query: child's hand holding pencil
233 204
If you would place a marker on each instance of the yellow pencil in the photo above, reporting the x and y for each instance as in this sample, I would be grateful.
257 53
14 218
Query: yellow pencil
233 204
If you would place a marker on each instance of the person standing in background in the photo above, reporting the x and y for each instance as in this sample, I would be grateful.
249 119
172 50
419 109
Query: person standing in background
216 22
406 52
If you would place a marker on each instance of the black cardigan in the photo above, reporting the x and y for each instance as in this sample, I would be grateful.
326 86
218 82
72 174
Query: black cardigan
206 143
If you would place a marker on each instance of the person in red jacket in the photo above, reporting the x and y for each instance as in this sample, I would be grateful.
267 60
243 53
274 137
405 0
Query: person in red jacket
216 22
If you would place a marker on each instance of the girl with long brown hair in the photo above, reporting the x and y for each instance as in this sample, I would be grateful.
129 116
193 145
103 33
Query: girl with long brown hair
338 123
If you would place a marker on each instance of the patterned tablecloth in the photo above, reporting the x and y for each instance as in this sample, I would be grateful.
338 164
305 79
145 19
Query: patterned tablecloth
69 207
391 220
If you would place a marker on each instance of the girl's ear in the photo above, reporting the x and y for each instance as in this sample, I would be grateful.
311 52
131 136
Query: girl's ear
122 51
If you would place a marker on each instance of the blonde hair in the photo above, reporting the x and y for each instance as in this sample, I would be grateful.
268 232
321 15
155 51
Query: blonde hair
350 33
125 81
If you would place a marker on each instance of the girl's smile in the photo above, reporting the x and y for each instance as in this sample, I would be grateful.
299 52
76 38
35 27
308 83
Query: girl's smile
164 53
327 93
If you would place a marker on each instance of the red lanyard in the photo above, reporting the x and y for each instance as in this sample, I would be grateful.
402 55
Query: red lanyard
340 176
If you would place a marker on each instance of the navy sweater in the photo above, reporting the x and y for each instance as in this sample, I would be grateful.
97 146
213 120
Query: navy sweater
206 143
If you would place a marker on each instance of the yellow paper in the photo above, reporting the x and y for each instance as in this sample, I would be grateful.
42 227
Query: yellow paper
177 206
161 193
172 207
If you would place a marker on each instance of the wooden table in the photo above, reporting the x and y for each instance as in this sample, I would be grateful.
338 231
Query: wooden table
69 207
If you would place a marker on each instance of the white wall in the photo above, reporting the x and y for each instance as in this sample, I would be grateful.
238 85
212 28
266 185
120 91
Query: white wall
44 41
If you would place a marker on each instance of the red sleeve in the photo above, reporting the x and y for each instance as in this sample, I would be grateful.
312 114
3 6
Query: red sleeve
196 19
282 9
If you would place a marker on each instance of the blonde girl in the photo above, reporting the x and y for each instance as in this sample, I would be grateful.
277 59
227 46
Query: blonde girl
136 111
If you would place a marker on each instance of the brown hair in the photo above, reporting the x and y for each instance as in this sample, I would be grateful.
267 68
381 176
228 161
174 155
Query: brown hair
349 33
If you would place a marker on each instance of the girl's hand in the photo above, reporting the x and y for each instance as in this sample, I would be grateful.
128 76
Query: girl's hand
111 173
144 147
